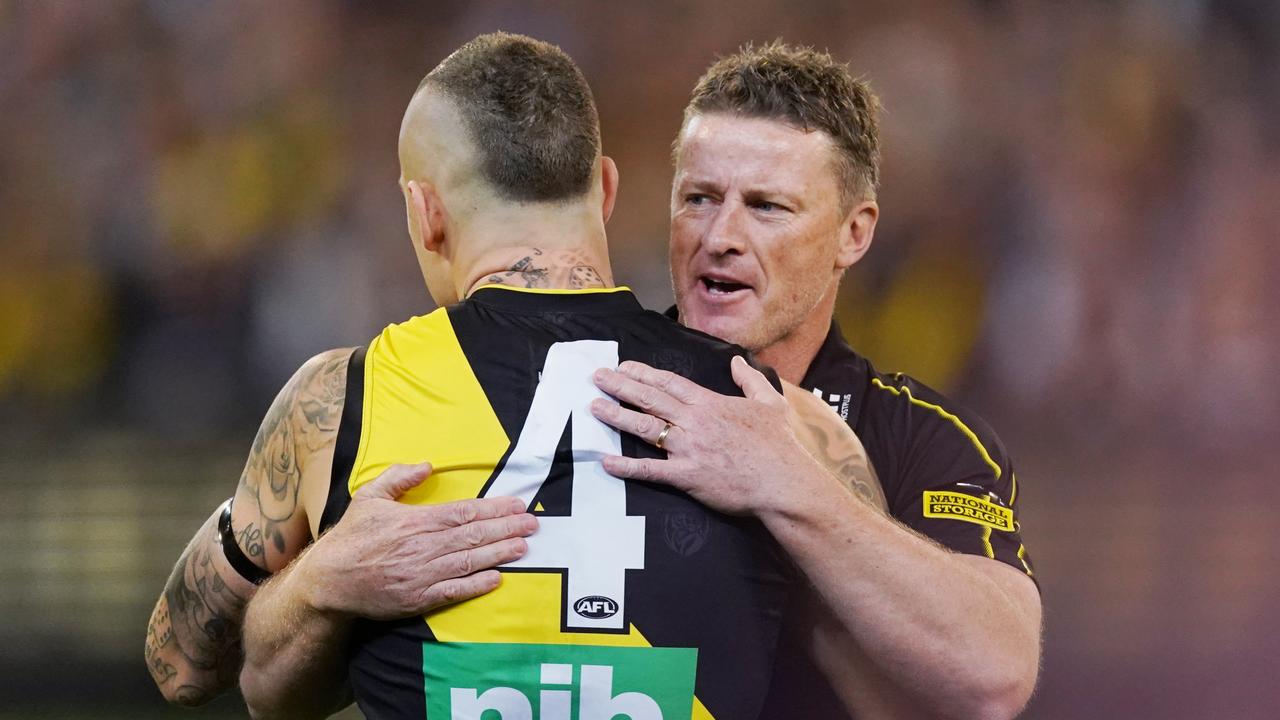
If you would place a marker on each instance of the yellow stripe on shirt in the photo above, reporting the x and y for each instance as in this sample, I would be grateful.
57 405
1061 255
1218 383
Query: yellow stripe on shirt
973 437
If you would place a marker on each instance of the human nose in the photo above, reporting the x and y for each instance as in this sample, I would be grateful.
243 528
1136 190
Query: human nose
725 233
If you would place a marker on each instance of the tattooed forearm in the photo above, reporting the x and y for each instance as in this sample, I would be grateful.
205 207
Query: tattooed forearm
193 646
193 639
561 268
192 695
159 635
205 612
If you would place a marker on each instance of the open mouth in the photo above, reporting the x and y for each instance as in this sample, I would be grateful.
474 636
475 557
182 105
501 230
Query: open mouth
722 287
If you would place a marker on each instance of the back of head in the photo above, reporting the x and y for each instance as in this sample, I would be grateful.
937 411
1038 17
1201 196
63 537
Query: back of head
805 89
529 113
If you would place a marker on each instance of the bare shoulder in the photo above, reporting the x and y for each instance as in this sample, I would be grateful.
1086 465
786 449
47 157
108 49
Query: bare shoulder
834 443
292 451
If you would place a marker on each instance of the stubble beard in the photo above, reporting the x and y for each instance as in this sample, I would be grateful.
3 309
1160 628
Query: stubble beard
770 328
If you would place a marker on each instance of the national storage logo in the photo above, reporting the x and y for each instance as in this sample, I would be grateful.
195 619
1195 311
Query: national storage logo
958 506
512 681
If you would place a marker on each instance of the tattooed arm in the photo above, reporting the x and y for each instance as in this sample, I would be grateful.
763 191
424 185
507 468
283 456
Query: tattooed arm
193 640
829 440
884 611
949 635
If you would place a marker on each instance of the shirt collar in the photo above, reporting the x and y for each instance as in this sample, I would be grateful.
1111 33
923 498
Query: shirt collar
594 301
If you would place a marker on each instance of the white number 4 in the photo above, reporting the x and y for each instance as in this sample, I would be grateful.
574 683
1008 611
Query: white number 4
597 542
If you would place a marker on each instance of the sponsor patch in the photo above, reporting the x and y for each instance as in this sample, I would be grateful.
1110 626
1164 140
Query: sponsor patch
488 681
958 506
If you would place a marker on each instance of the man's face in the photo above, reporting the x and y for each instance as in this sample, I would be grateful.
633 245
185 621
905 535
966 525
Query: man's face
756 227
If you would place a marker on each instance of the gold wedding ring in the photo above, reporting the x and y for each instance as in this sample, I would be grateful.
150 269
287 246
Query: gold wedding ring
662 436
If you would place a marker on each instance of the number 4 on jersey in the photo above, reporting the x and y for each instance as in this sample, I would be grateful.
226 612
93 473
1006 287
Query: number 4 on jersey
597 542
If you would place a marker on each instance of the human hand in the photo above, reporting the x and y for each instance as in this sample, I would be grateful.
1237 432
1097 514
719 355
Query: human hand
385 560
735 454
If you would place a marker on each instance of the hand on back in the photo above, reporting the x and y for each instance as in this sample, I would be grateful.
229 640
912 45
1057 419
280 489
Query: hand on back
727 452
386 560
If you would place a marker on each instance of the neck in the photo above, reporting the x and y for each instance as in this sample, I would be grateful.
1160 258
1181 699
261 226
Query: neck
535 267
791 355
555 248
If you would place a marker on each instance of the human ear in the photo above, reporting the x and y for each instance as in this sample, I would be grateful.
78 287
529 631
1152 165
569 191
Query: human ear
426 209
856 233
609 181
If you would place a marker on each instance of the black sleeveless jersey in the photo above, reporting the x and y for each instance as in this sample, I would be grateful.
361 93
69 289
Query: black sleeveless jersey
634 600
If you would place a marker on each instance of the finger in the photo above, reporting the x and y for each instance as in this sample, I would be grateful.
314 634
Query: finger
646 427
455 590
395 481
646 397
466 562
678 387
753 382
483 532
648 470
463 512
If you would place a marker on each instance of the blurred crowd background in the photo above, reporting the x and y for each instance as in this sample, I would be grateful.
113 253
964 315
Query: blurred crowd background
1080 208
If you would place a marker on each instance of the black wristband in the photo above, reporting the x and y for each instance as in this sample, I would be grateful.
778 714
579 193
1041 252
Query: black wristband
231 550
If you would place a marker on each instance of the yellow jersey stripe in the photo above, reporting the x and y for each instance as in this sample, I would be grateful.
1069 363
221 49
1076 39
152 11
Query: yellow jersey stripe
1022 555
986 542
423 402
973 437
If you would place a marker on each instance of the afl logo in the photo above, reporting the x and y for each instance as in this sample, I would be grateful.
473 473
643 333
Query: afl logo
596 607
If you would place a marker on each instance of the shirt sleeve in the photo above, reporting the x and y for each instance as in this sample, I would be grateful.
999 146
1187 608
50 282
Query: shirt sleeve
949 477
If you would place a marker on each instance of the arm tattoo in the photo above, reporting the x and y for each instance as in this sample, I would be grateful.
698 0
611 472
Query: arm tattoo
193 646
847 460
250 539
159 635
302 421
196 625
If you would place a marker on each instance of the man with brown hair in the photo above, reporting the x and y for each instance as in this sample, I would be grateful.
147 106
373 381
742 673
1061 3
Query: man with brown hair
931 612
506 197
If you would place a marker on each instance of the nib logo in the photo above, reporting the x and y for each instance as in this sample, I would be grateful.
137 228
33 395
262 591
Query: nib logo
484 681
597 701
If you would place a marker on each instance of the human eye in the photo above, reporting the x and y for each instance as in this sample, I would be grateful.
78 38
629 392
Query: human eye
768 206
696 199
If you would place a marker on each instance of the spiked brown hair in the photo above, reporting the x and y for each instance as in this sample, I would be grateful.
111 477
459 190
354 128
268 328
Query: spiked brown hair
807 90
